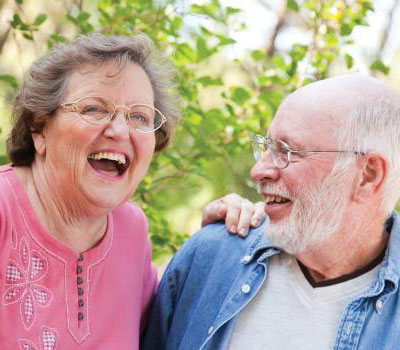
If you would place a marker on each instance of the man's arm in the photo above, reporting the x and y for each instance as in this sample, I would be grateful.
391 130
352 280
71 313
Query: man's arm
156 333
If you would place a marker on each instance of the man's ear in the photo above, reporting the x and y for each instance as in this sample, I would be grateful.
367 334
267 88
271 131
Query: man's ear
374 169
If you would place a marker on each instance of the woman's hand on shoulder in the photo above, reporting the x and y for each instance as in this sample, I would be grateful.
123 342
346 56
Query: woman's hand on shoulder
238 213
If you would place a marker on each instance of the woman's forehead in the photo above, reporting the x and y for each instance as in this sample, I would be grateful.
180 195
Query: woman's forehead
111 80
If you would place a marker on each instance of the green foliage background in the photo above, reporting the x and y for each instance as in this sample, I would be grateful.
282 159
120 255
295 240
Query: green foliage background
211 153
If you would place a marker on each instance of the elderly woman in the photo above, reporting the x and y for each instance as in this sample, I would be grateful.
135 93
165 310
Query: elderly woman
76 266
75 260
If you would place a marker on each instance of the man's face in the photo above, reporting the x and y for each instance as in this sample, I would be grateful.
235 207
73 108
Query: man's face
306 201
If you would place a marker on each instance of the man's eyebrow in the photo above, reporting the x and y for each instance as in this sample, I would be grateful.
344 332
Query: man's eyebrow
291 143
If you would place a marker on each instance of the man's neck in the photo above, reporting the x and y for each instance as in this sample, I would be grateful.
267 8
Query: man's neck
347 251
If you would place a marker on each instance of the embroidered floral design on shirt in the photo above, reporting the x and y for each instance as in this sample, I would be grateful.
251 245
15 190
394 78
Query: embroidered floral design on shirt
22 283
48 341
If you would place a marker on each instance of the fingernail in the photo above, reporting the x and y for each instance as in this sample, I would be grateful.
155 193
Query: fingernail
254 222
233 228
243 232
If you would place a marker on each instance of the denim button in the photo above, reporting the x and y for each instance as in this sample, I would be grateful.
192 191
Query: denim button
246 259
246 288
348 328
210 330
379 306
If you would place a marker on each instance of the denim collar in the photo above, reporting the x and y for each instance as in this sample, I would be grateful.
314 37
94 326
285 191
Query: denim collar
389 271
259 245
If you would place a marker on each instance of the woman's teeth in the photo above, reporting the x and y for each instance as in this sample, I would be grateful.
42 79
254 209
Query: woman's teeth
117 157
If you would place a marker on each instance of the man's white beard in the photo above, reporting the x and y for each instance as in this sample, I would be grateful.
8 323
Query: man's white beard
317 213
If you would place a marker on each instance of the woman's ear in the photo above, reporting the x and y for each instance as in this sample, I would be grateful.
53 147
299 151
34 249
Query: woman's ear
373 176
39 139
40 143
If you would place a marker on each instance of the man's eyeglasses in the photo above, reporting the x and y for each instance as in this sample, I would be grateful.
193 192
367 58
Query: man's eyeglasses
95 110
280 151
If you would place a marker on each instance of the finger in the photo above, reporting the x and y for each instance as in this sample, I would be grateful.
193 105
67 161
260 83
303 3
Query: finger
232 218
259 214
246 213
213 212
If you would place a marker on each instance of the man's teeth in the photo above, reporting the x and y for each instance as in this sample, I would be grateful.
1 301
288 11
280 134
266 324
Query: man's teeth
275 199
120 158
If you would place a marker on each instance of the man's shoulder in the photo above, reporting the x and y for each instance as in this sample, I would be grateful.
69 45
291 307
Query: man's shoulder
214 244
218 235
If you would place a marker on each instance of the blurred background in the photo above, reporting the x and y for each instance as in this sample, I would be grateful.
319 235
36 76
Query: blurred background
235 60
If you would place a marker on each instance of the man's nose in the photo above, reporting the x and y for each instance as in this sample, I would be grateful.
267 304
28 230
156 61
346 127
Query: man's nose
265 169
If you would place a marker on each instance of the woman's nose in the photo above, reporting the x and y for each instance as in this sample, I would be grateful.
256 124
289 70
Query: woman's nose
118 126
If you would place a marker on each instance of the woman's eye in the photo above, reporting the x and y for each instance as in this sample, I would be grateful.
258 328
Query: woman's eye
139 118
93 109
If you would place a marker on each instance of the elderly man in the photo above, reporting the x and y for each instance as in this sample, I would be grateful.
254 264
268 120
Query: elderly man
323 272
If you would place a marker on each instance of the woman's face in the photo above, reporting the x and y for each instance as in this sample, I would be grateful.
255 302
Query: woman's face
68 146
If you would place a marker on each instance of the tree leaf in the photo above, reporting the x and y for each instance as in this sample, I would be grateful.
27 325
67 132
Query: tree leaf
240 95
202 49
208 81
292 5
346 29
349 61
40 19
279 62
28 36
379 66
10 80
232 11
331 40
16 21
258 55
223 40
4 159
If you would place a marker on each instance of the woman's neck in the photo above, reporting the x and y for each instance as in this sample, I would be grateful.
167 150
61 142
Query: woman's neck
71 223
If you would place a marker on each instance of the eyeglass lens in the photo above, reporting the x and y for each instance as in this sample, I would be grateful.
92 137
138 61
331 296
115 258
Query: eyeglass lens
277 149
141 117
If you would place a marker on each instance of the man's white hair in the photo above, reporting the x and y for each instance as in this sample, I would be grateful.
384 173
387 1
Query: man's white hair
374 126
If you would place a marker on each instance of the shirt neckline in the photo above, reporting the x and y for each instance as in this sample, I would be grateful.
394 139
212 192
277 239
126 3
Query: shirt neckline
45 239
347 277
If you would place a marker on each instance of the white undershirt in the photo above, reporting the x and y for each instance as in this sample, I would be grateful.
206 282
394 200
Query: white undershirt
288 313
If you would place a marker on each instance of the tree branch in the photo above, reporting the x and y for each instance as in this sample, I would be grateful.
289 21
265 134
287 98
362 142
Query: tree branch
281 14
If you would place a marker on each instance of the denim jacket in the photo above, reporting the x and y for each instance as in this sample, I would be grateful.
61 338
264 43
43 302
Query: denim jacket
214 276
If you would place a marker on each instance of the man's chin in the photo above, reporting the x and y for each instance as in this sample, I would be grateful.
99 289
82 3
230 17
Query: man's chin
288 237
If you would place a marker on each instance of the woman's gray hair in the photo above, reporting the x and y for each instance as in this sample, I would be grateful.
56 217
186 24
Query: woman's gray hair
374 126
46 83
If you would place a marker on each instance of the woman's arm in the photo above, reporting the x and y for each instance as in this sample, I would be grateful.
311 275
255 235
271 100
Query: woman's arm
238 213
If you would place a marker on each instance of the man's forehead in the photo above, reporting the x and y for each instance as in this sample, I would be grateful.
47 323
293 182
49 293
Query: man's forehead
319 109
302 121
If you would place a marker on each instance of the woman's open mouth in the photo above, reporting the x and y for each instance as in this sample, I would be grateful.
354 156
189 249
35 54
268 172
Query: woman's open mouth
109 163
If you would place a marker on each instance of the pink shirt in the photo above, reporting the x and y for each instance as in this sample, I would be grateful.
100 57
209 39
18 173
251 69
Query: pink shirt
50 299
